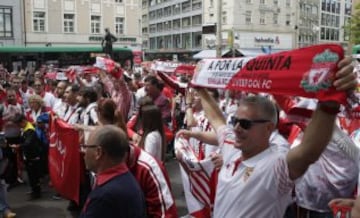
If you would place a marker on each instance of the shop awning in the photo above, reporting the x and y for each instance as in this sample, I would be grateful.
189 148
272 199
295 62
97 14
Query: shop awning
211 53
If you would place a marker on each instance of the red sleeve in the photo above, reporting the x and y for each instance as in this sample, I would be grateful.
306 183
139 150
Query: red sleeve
130 126
151 191
168 92
2 96
28 117
169 135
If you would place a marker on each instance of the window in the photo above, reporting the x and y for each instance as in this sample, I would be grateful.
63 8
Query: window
119 25
248 1
6 29
95 24
224 17
118 1
276 19
287 22
39 21
262 2
196 20
69 23
288 4
262 19
248 17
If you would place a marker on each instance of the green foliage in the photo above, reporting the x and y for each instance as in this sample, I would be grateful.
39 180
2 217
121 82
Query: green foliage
354 26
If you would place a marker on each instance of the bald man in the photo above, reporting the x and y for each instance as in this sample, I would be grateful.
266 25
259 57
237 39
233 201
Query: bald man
116 193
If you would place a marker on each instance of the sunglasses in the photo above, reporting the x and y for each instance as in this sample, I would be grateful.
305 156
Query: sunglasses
245 123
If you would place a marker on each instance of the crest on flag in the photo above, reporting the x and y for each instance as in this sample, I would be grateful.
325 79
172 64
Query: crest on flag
319 77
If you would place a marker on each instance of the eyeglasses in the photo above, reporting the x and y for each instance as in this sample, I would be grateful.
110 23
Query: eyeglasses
245 123
83 147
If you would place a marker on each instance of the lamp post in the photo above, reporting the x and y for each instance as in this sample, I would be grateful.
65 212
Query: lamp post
218 29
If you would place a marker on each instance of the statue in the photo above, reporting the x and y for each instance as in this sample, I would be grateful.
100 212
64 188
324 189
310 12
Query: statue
107 42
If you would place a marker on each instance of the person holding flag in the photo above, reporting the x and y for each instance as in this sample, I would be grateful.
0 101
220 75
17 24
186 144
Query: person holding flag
255 180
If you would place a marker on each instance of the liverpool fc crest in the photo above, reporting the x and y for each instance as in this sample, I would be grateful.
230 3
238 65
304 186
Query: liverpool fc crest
319 77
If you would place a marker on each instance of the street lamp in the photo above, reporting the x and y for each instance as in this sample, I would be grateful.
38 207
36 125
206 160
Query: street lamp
218 29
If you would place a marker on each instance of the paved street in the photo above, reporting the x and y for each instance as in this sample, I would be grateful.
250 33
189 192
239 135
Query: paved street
47 207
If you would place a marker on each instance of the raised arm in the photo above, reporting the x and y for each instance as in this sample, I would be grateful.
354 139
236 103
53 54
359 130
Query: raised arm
108 84
211 108
319 131
206 137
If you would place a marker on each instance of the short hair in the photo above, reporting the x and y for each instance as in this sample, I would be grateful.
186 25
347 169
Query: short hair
36 98
61 81
89 93
264 105
75 88
108 111
154 81
113 141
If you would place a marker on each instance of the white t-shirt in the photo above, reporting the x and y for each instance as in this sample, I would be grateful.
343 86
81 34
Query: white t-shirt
49 100
333 175
90 118
153 144
140 93
258 187
60 107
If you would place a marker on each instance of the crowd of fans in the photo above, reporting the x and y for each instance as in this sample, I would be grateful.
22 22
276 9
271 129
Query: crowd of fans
262 159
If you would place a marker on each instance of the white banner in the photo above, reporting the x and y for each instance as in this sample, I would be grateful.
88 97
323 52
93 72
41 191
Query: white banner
216 73
165 66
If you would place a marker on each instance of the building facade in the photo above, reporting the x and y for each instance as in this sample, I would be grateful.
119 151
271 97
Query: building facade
11 22
171 26
334 17
82 22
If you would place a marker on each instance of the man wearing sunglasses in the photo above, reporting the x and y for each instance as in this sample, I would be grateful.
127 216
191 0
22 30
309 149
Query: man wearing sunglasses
256 180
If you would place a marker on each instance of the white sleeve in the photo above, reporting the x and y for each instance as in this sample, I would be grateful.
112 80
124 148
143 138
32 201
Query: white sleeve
94 116
153 144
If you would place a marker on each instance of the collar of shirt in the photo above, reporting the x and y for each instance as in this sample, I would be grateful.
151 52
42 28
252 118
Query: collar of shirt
110 173
254 160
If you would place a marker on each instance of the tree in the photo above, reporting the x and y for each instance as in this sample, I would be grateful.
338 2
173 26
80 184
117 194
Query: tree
353 26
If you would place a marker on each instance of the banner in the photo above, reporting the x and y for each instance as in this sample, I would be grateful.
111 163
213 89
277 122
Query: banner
307 72
217 73
164 66
64 159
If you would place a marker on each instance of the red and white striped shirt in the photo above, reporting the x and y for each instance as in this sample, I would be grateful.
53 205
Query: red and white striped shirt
154 182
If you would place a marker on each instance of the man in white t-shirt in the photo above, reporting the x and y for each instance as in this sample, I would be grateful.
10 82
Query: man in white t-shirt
49 98
60 106
256 180
88 100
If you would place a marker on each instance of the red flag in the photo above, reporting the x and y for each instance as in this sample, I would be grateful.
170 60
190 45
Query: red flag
307 72
185 69
64 159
